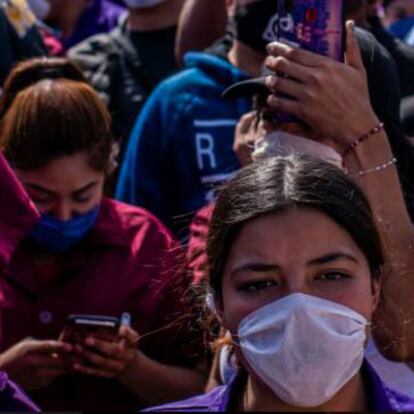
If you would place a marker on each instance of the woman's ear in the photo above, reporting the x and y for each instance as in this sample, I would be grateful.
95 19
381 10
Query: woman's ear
376 293
113 159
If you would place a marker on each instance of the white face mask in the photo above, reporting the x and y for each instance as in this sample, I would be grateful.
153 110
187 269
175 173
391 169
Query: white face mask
304 348
282 143
40 8
142 4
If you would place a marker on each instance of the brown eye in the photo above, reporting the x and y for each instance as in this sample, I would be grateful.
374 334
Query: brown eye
333 276
258 285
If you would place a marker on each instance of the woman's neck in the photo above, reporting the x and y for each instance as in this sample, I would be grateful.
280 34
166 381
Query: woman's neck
351 398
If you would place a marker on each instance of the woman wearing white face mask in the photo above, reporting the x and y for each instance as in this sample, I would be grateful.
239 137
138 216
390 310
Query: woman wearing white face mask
295 262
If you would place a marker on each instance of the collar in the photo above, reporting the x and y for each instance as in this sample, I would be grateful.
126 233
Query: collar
380 397
110 228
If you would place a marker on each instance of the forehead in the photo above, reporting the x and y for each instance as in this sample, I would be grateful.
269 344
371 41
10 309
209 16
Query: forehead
62 174
296 235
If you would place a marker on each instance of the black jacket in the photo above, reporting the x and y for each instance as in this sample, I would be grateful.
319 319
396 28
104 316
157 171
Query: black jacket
112 64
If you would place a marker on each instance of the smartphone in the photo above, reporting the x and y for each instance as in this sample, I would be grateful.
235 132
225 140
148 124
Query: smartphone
78 327
314 25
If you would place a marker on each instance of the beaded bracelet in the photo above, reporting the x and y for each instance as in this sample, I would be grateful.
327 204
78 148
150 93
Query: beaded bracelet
362 138
375 169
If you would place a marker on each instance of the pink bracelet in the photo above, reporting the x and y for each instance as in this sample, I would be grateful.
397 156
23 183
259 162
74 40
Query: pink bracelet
362 138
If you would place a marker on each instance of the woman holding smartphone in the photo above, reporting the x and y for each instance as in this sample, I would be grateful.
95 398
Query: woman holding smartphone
295 264
87 255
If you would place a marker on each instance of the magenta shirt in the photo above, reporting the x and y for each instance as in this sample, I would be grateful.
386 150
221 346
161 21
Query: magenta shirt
128 263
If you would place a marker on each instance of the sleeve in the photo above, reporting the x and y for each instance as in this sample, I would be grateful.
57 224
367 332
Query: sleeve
13 399
145 177
17 213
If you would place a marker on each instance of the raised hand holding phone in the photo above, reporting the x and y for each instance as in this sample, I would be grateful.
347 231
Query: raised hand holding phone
331 97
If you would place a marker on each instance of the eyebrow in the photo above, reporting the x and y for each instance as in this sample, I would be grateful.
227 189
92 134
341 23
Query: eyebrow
86 187
269 267
51 193
331 257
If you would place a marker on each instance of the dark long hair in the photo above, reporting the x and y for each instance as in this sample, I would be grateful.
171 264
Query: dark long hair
277 184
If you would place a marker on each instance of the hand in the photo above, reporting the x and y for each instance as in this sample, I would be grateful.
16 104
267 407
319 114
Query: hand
35 364
245 137
331 97
108 359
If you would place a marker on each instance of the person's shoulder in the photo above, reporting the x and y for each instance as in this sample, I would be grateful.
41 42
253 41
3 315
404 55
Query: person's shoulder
131 222
212 401
400 402
202 70
96 46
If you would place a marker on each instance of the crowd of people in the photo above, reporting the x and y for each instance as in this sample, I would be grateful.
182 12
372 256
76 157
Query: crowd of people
226 217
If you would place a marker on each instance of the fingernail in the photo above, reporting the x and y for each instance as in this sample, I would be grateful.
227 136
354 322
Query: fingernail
270 80
126 319
270 47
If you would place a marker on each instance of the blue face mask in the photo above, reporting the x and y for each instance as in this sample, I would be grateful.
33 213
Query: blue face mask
58 236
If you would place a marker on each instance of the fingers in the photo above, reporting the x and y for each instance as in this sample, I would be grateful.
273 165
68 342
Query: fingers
285 66
353 55
96 372
47 347
101 362
46 361
278 84
285 105
295 54
245 122
110 349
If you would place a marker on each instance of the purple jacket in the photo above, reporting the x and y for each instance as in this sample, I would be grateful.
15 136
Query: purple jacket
381 398
12 398
100 17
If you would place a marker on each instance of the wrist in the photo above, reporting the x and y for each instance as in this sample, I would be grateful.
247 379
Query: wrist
130 369
359 127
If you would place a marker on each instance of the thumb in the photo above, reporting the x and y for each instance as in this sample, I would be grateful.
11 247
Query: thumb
129 337
353 53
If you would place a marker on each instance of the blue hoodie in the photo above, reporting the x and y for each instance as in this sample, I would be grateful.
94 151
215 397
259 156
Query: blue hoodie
181 145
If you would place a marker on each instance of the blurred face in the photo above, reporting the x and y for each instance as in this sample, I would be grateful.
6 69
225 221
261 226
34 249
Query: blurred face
298 251
67 9
65 188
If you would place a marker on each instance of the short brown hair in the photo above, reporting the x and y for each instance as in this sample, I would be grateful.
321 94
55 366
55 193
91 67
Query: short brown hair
56 118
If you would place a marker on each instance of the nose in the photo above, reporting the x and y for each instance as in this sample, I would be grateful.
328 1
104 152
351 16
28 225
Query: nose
62 211
296 283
